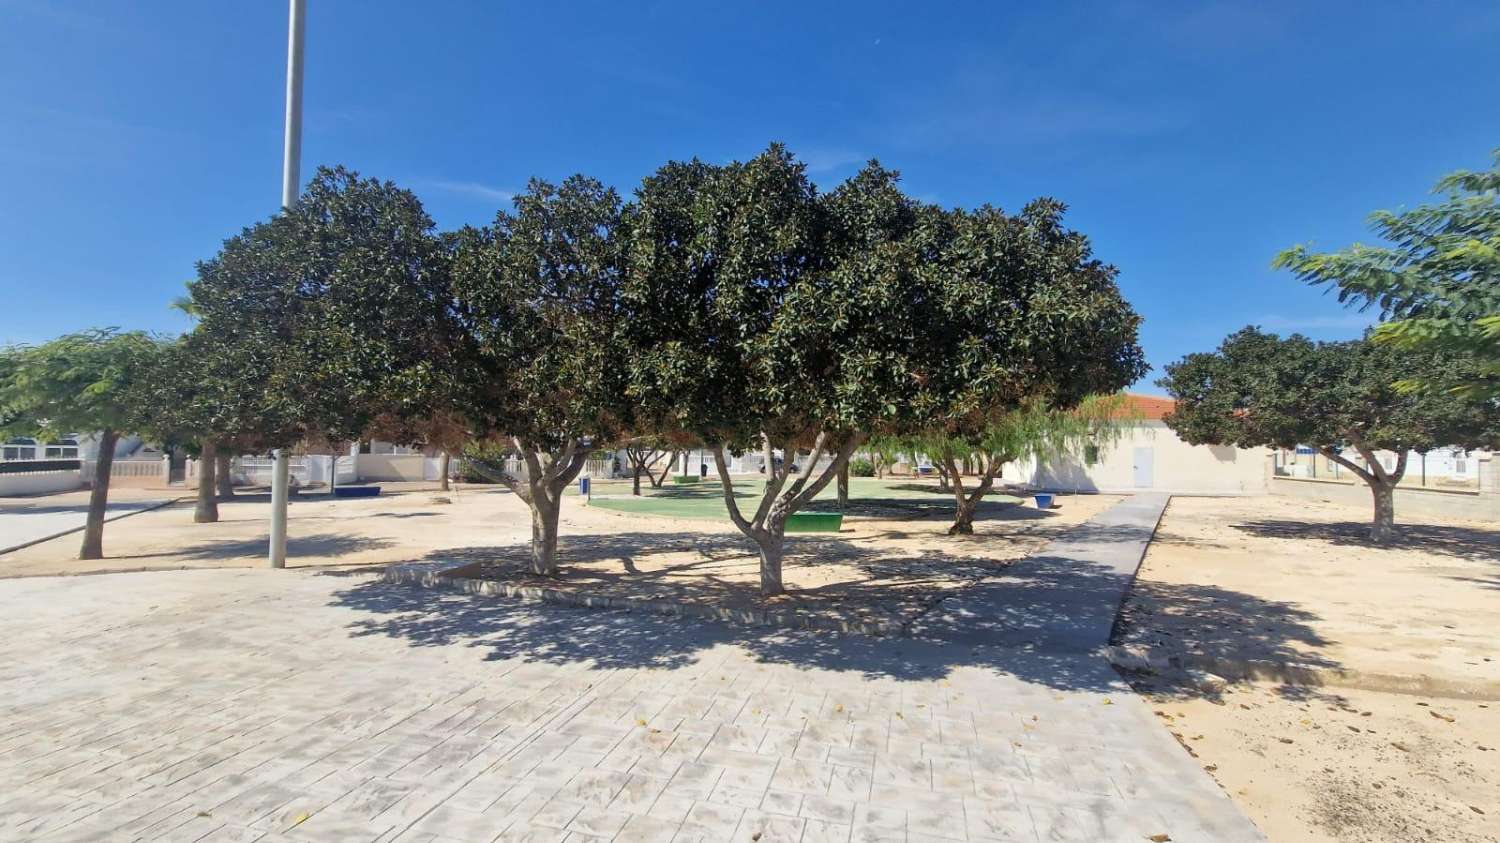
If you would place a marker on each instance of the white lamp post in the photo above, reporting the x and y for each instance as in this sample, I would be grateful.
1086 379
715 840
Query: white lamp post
291 177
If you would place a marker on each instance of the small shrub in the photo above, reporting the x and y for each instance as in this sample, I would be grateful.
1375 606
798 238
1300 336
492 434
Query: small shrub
861 467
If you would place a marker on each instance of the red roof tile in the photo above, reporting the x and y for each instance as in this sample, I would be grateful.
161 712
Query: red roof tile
1149 407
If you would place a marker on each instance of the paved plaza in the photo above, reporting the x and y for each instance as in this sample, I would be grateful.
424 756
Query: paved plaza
278 705
27 521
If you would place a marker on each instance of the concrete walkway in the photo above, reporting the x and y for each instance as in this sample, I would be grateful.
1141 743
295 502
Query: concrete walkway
26 521
280 705
1063 600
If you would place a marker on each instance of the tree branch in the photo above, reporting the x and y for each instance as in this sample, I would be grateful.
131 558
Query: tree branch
812 460
571 469
533 465
775 479
730 503
845 451
1400 466
1376 468
1346 463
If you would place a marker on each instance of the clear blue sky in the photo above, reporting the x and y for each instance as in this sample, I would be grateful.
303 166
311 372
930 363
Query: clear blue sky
1191 140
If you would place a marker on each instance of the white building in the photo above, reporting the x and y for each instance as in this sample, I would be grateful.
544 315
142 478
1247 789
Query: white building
1151 456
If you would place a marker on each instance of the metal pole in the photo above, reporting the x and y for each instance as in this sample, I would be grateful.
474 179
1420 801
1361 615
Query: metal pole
291 178
291 158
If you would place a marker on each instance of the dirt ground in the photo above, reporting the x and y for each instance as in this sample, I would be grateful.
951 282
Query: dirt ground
876 567
1270 579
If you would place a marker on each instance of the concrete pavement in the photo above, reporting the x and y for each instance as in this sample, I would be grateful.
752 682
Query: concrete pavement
274 706
26 521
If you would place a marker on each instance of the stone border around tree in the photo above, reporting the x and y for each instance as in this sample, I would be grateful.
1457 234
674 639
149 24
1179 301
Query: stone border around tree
461 576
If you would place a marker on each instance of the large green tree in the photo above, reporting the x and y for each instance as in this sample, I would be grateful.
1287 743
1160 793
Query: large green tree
78 383
1260 390
334 314
1032 324
196 395
747 330
1437 282
538 299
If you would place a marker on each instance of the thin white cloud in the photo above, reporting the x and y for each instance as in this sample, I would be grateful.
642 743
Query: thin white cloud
826 160
471 189
1345 322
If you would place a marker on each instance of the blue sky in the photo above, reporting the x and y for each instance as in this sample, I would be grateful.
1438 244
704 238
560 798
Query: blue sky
1191 140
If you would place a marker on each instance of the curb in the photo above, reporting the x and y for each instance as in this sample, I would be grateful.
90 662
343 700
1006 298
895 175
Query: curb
462 577
1159 660
80 528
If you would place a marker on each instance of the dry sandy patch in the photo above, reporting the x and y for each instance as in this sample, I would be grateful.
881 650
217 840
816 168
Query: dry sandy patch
1272 579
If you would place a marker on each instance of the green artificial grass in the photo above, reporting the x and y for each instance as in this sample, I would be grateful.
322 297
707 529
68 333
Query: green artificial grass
897 497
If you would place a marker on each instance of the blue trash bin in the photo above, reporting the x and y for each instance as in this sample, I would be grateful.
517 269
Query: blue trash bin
1043 501
583 486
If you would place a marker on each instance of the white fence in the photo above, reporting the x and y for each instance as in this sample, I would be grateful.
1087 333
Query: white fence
315 468
39 482
152 472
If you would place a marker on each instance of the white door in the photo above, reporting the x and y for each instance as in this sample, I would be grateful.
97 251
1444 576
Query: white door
1143 458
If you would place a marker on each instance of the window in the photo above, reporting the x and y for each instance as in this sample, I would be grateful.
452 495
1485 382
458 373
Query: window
19 448
1091 454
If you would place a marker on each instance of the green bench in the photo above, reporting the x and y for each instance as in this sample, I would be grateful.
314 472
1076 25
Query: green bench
814 522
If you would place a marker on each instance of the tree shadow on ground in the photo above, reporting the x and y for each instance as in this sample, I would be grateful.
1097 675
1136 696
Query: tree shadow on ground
873 583
1007 624
1274 640
1448 540
324 544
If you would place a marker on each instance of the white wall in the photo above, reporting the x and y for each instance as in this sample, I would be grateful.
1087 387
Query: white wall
392 467
1174 466
39 483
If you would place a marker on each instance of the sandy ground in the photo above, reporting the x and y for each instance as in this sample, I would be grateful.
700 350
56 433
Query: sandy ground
1339 765
876 567
1294 581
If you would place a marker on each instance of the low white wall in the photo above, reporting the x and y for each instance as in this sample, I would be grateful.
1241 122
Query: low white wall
392 467
39 483
1427 503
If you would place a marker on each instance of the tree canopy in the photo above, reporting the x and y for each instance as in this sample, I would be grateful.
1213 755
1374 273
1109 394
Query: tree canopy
1437 282
78 383
764 314
1260 390
334 313
537 298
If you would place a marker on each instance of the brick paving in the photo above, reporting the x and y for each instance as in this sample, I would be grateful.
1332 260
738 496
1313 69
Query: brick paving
244 705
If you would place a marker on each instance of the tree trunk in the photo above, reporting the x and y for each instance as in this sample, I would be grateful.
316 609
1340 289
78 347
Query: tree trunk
635 482
656 480
544 536
444 462
207 510
222 475
93 530
772 546
963 516
844 487
1383 528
